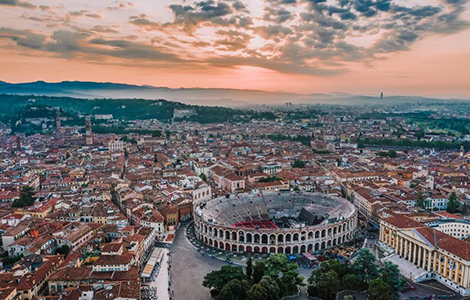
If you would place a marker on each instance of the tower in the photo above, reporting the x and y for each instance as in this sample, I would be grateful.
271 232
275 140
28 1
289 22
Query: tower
19 144
57 120
88 131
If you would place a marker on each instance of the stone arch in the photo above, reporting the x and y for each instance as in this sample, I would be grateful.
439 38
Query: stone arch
329 232
272 239
288 238
221 234
241 236
264 250
241 248
249 249
295 237
323 233
296 249
328 243
264 238
323 245
227 235
303 249
288 250
335 230
234 236
227 246
310 248
216 244
249 237
272 249
280 250
256 238
334 242
234 247
310 235
221 245
280 238
210 242
317 234
256 250
317 247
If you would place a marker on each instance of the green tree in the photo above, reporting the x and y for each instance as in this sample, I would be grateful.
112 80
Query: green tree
328 285
380 290
234 290
391 275
272 288
452 204
334 265
298 164
63 250
157 133
420 201
352 282
278 265
26 197
219 278
249 268
258 271
203 176
257 292
364 265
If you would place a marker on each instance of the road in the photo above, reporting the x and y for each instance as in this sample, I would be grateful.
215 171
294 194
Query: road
189 268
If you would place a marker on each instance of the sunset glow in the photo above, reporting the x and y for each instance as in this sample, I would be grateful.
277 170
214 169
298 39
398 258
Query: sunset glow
416 47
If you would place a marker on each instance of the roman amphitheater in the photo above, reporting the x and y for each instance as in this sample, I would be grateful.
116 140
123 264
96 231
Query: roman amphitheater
271 222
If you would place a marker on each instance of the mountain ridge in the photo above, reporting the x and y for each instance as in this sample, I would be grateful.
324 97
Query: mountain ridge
195 95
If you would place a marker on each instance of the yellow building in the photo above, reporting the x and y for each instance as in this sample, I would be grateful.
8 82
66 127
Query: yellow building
441 256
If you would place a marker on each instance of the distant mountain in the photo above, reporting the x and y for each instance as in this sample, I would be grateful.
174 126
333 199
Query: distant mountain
195 96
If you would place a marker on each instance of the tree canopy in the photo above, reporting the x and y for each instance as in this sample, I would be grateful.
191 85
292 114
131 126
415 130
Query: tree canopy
26 197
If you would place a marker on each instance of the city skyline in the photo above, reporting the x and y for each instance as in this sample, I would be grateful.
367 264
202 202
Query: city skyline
362 47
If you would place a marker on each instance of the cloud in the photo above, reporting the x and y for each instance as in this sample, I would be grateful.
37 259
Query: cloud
204 11
24 38
120 5
233 41
273 31
314 37
143 22
277 15
85 13
70 44
17 3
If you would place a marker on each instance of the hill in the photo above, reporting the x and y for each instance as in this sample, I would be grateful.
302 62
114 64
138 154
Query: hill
196 96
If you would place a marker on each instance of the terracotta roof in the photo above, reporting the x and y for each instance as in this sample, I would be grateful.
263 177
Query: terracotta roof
444 241
402 222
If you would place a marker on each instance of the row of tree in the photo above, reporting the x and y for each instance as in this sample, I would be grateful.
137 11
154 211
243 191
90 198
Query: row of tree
334 276
453 204
439 145
270 280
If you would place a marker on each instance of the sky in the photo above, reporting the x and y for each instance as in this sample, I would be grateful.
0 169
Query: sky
400 47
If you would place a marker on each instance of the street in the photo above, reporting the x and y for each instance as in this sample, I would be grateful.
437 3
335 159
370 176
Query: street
189 268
